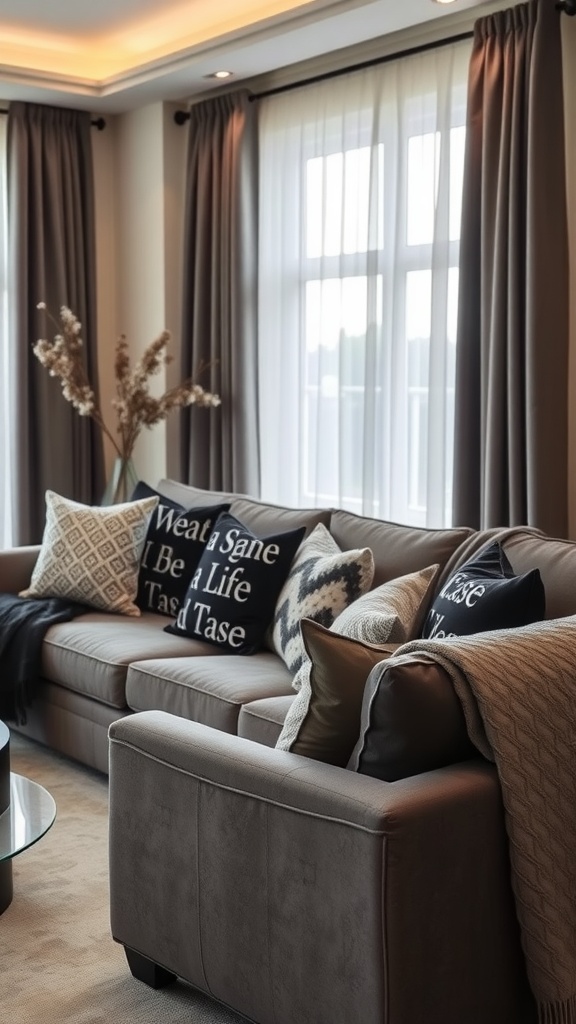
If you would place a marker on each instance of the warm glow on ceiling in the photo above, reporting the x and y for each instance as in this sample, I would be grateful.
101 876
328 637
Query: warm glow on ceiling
93 55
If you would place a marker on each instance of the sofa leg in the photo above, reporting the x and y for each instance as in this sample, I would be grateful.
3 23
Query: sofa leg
146 970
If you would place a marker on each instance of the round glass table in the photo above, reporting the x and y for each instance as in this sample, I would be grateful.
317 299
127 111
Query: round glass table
27 811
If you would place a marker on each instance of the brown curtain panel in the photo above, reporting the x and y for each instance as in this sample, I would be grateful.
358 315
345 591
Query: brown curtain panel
51 259
511 416
220 449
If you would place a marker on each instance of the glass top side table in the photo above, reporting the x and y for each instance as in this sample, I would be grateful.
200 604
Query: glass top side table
27 811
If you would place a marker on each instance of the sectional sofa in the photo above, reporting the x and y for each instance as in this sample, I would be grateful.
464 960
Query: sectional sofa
100 667
294 891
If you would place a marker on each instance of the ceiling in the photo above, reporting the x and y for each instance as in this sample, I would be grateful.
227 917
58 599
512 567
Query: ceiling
114 55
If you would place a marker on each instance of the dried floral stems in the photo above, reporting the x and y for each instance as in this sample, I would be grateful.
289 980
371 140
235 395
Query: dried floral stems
135 406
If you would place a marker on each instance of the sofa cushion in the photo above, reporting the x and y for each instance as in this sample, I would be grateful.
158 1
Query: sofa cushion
555 559
322 582
397 549
391 613
485 594
323 722
174 544
91 654
91 554
261 516
411 721
232 594
262 720
207 690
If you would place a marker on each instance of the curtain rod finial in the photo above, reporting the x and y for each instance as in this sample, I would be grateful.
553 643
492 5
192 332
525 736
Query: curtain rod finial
567 7
181 116
99 123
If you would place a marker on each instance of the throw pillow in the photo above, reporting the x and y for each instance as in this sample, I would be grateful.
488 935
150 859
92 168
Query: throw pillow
323 720
391 613
411 721
231 596
485 594
91 554
174 544
322 582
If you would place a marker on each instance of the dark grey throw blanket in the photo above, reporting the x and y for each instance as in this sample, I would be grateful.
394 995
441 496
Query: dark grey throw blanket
23 624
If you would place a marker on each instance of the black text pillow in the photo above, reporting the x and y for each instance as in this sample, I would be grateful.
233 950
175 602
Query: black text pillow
231 597
485 594
173 547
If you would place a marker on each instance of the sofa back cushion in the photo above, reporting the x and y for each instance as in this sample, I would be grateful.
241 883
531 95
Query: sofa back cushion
260 516
397 549
555 558
188 496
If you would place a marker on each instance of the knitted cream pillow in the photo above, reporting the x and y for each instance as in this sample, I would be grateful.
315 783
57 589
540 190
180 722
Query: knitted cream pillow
91 554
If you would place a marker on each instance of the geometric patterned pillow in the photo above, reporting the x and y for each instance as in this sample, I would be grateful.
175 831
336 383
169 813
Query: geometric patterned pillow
322 582
91 554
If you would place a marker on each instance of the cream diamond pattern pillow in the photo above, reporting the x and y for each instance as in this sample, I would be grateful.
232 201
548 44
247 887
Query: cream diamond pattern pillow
91 554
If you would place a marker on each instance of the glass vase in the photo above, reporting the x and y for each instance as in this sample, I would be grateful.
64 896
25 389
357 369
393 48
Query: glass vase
121 482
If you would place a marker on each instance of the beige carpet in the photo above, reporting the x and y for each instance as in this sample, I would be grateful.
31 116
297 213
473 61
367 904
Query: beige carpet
58 962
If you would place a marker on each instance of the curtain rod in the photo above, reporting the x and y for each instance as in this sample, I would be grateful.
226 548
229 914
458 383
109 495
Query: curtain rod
181 116
98 122
384 59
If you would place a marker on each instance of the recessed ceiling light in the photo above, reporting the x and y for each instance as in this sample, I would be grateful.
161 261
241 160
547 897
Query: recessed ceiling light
220 74
443 1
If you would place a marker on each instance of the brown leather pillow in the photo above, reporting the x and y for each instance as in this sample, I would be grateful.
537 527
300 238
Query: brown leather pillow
324 718
411 721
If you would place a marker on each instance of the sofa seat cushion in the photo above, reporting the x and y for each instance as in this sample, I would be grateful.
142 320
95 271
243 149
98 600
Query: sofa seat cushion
91 654
262 720
207 690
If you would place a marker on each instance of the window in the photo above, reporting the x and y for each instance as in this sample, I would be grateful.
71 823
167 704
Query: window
361 182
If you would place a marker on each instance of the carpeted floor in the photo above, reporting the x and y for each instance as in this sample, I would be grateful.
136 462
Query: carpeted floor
58 962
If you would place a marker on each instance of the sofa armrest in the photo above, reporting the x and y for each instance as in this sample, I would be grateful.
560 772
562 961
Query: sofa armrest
277 883
16 565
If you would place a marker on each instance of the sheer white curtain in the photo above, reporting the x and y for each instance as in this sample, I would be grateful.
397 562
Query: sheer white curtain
5 511
360 198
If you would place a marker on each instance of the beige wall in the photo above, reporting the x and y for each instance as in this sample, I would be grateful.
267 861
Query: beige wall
139 173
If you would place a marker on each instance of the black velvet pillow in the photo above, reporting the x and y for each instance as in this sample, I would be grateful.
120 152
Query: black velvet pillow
231 597
173 547
411 721
485 594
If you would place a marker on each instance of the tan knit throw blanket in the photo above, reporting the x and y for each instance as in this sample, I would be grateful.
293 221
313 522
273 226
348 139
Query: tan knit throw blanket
518 691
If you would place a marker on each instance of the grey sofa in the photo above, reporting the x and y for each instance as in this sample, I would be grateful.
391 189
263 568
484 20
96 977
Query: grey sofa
293 891
101 667
302 893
